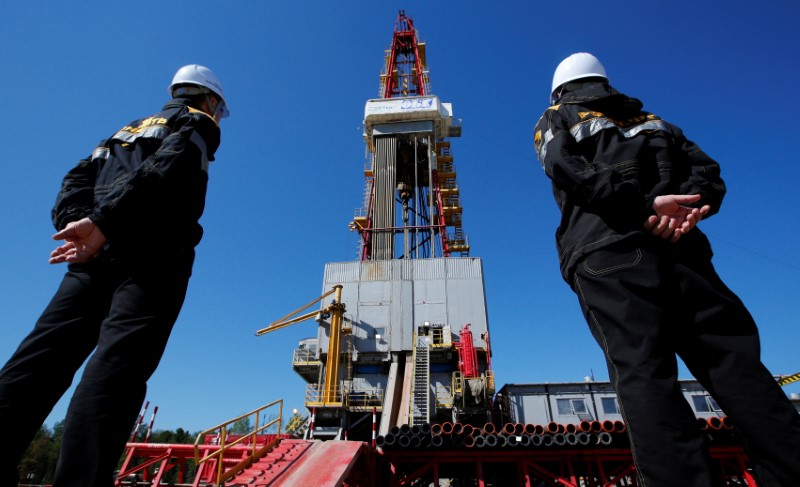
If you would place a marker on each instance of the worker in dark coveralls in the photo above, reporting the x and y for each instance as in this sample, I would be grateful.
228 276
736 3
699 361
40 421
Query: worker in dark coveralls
128 215
631 188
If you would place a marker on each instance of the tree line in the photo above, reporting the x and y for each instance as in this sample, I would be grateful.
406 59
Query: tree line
38 465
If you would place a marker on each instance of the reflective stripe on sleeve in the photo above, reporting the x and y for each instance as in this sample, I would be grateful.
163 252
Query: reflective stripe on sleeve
100 153
595 125
154 132
201 144
548 136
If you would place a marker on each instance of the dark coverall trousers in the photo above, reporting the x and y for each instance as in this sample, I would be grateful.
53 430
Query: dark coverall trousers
124 311
645 304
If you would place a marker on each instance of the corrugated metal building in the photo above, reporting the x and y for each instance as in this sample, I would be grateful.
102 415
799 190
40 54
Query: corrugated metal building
572 402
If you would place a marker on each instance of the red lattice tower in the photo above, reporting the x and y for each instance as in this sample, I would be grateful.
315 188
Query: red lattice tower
405 62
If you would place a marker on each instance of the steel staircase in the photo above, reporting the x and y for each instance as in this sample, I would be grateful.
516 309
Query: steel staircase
421 406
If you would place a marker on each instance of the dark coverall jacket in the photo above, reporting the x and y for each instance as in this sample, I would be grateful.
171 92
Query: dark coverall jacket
608 160
145 188
647 299
151 175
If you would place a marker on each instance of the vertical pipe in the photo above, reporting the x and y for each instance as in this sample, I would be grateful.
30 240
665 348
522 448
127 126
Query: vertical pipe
313 418
224 435
378 210
150 427
417 196
332 368
385 175
254 438
390 198
431 222
139 421
374 425
280 415
380 172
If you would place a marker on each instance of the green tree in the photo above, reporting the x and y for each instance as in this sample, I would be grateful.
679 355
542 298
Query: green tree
179 436
241 427
33 463
38 464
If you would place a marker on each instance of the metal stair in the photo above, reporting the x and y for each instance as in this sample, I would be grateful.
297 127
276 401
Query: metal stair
298 463
297 426
420 412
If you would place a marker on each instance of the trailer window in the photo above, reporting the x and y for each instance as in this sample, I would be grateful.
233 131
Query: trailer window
578 406
609 405
570 407
701 404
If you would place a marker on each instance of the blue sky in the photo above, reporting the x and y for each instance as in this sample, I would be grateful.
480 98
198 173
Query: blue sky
289 173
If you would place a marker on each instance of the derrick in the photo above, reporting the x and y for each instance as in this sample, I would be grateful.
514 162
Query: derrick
411 205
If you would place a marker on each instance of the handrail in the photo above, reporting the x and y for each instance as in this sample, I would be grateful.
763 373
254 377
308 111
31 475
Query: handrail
319 395
222 431
305 356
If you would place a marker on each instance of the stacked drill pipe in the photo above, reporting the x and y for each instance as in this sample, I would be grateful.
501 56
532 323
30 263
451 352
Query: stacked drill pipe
449 435
719 430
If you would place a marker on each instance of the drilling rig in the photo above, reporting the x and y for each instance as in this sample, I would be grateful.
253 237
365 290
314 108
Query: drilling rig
412 341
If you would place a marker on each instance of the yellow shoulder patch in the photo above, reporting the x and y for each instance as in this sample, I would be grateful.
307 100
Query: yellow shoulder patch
195 110
586 114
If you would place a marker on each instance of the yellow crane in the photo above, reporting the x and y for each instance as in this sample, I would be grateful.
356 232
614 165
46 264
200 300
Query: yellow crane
336 310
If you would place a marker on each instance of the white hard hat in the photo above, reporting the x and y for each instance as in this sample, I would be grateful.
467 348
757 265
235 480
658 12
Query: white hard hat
194 74
577 66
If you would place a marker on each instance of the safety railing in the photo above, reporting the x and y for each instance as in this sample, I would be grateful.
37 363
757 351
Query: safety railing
362 399
457 383
257 450
443 398
305 356
319 396
440 337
